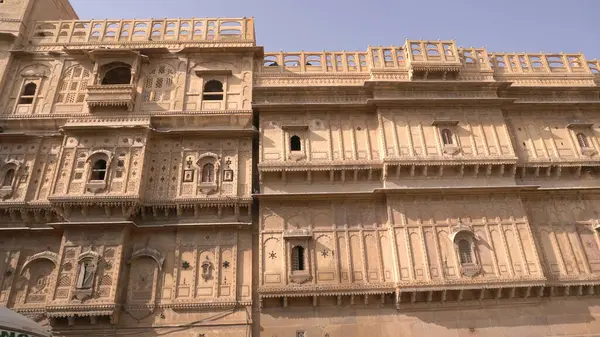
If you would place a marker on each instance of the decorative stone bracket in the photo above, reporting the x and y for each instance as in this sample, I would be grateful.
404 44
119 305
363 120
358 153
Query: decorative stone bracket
451 149
300 277
470 269
296 155
588 151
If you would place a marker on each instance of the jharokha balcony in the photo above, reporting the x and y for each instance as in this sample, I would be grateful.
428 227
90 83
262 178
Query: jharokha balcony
131 32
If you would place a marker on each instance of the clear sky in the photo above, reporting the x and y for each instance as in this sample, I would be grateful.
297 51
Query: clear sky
569 26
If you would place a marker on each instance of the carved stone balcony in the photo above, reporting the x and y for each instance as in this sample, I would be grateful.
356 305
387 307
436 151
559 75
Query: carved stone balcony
437 58
113 95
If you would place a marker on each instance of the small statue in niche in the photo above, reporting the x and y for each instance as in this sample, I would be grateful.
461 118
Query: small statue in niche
207 267
85 275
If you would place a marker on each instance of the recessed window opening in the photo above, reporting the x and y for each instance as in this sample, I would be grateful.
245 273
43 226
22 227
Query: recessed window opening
464 250
99 170
298 258
208 174
213 91
28 93
295 144
447 137
8 178
118 75
582 140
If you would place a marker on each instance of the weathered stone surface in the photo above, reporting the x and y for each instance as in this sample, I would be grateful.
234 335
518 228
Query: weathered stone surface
400 191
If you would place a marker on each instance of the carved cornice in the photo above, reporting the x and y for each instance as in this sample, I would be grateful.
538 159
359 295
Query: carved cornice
93 200
191 201
446 161
557 162
337 165
124 45
81 310
338 289
111 122
406 286
190 305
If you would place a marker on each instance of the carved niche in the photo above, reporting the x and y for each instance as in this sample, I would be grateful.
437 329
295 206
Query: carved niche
209 165
9 172
207 268
463 237
38 281
143 275
86 275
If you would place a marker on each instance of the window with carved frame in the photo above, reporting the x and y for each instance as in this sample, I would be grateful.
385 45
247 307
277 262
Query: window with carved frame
208 173
297 259
582 140
116 73
295 143
98 170
213 91
465 252
73 85
159 84
9 177
447 137
28 93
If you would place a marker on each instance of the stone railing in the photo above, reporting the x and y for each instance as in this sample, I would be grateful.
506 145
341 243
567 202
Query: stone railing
594 66
427 56
334 62
515 63
120 31
390 58
474 59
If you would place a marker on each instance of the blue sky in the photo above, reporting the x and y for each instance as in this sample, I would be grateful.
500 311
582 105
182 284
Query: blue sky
568 26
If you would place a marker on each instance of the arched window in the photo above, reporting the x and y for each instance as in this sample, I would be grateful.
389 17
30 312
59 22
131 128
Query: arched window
446 137
295 144
582 139
8 178
158 84
98 170
85 275
464 250
298 258
28 93
117 75
73 85
208 173
213 91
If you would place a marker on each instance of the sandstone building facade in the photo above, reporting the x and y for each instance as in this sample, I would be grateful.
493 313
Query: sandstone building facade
167 177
